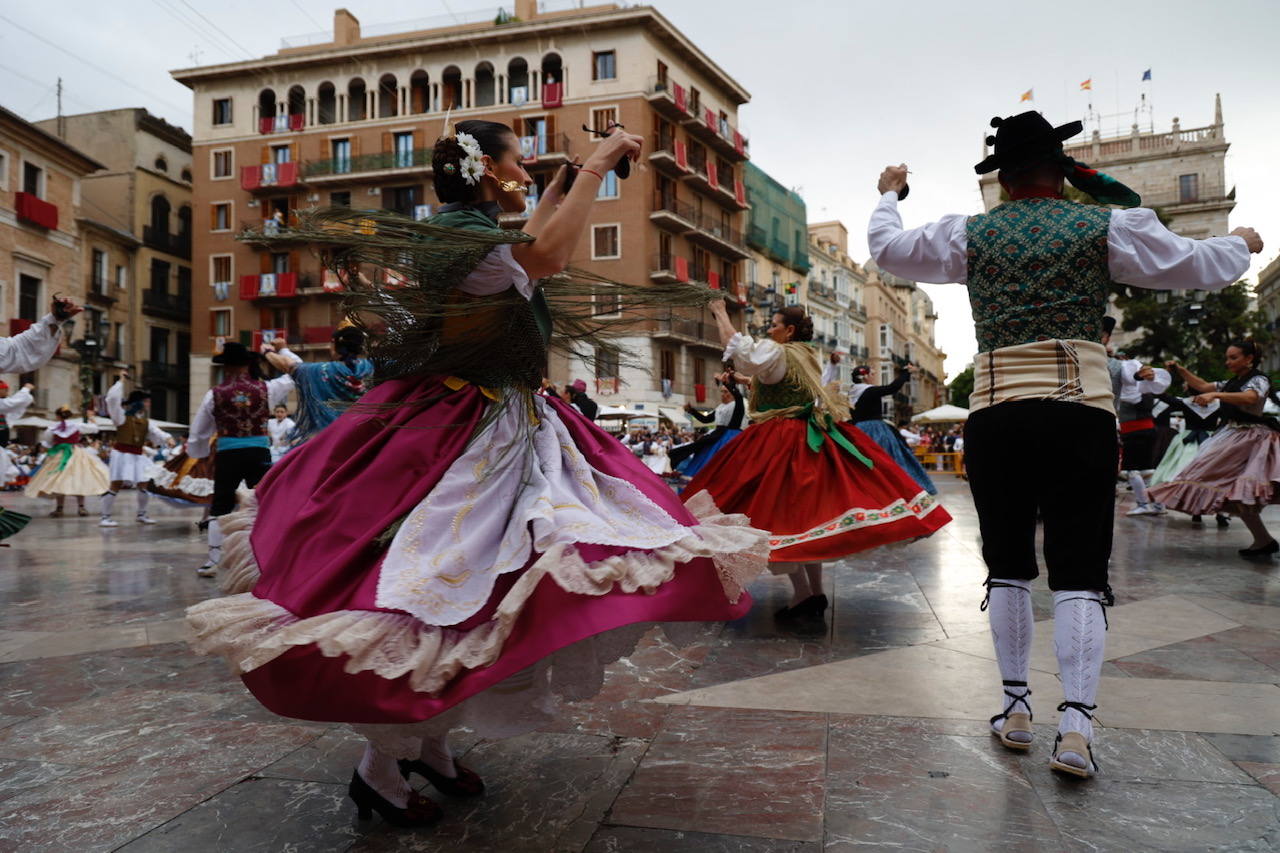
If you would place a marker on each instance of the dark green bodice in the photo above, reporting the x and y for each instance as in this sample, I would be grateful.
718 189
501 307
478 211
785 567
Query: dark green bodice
1038 271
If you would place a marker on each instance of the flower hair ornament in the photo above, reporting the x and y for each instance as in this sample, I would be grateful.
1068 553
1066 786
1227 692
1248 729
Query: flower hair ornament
472 164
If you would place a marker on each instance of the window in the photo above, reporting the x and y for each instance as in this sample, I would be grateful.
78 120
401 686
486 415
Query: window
162 165
609 186
29 302
222 111
340 199
668 365
222 163
1188 188
886 339
604 65
186 175
99 271
607 304
605 242
661 83
121 281
118 348
340 149
402 200
607 363
699 372
221 216
221 268
403 149
279 262
4 171
695 101
220 322
32 180
159 276
602 117
280 154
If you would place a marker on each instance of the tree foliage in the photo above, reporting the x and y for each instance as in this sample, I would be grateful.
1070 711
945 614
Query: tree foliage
961 387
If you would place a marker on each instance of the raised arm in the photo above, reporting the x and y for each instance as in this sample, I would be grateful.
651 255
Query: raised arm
115 402
1195 383
937 252
1142 252
32 348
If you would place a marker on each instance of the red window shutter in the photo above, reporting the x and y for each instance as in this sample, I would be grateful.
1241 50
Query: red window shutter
250 177
682 155
248 287
712 174
739 143
682 100
709 117
740 192
287 175
682 269
700 393
713 280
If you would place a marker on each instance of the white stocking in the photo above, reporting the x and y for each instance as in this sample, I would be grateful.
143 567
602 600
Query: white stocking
1079 638
383 775
144 497
215 545
1012 627
107 502
437 755
1139 487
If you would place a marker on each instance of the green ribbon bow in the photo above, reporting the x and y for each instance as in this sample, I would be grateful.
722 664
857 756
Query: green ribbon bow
820 430
59 455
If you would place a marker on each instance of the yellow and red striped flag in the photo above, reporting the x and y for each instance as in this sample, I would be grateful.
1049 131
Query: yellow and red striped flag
1027 96
1087 84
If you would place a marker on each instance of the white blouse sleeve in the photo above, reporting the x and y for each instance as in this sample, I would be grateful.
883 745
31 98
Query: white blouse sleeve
278 390
202 428
498 271
115 402
16 404
32 348
764 360
1142 252
937 252
158 437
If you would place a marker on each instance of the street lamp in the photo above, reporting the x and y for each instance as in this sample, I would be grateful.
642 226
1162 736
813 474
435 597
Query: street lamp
90 349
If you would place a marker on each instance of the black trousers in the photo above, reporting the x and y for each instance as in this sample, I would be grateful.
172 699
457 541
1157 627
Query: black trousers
231 467
1050 459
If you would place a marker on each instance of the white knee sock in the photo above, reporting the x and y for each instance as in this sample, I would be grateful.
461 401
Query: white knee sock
107 503
144 497
438 756
215 546
1012 628
1139 487
1079 639
383 775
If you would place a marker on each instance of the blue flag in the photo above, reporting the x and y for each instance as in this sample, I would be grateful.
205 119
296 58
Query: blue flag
1146 75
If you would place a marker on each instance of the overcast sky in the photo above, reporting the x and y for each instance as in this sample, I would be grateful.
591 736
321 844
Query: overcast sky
839 88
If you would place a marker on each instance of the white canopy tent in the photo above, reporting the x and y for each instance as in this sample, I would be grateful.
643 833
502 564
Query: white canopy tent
942 414
103 423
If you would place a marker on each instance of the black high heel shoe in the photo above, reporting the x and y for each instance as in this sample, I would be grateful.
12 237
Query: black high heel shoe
466 784
1267 550
420 810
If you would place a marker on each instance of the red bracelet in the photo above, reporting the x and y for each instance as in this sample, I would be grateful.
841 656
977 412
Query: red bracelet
591 172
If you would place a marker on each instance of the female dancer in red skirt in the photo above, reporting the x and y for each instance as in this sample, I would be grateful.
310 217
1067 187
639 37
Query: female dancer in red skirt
824 488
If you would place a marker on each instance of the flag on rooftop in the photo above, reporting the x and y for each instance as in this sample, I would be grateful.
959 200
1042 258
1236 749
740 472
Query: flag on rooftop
1146 75
1026 96
1087 84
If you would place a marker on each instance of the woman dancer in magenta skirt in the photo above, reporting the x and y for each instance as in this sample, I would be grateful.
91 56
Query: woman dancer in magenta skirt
457 549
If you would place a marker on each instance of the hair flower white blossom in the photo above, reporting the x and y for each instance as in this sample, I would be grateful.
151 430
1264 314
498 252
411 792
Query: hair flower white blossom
472 165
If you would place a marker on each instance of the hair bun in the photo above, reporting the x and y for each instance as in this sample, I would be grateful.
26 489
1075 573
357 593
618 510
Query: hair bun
997 121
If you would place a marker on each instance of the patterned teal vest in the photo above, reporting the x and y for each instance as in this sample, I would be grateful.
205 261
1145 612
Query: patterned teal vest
1038 271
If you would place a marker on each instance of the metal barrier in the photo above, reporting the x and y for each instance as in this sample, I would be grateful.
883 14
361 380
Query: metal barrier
941 463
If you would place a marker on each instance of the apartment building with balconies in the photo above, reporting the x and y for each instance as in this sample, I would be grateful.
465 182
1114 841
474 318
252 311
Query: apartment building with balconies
837 289
41 253
142 289
349 118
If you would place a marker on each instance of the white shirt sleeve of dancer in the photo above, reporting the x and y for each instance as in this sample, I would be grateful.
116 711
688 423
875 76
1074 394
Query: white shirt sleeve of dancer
46 437
202 428
1142 252
115 403
29 350
764 360
937 252
498 271
88 428
158 437
278 390
291 355
15 405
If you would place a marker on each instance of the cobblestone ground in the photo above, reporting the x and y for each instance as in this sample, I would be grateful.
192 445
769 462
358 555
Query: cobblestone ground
867 731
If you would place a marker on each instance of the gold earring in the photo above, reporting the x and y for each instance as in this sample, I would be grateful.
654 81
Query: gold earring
512 187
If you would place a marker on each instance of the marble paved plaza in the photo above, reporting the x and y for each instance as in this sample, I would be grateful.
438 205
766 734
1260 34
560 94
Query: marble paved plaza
865 733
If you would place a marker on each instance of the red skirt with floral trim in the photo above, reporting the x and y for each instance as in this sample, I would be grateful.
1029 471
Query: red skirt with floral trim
818 505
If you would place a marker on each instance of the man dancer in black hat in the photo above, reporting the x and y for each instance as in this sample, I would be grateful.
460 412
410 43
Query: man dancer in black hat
1038 269
128 463
236 411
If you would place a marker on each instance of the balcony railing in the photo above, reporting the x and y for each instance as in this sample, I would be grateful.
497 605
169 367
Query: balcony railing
164 373
669 268
1202 194
34 210
667 97
281 123
673 211
268 176
418 158
266 285
161 240
175 305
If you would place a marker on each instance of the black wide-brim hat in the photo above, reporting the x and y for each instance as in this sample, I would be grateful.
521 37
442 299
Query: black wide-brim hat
234 354
1024 140
137 395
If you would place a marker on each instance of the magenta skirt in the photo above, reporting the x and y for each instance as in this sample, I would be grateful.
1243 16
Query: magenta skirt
1238 465
402 562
